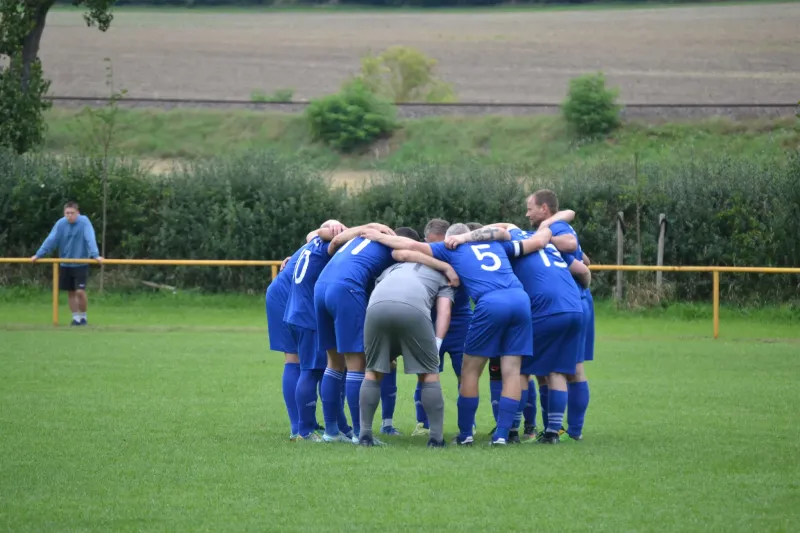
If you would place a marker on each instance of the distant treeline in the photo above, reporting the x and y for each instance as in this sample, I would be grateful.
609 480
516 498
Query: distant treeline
385 3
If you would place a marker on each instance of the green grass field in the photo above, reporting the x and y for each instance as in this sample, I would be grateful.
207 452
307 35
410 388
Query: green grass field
166 415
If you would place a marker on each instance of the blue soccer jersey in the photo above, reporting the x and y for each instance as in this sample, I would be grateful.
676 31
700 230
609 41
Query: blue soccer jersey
546 278
280 338
357 263
341 293
300 307
501 322
482 267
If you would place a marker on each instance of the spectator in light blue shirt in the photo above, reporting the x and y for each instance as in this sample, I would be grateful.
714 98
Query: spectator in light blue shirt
74 237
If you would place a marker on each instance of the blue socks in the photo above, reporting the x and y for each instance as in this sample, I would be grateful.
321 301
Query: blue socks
291 373
577 404
495 389
467 407
352 390
523 401
529 412
331 395
389 394
556 405
422 417
306 397
507 410
543 401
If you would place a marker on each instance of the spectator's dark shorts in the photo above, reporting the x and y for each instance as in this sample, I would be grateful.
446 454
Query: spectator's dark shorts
73 278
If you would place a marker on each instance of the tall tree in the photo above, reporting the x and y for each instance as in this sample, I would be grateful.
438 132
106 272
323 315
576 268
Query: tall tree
22 85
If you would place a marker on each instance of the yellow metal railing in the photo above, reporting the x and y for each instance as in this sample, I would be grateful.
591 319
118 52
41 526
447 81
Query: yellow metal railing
715 272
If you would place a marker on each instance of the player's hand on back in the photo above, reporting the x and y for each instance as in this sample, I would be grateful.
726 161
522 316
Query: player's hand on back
371 234
452 277
453 241
34 258
283 265
381 228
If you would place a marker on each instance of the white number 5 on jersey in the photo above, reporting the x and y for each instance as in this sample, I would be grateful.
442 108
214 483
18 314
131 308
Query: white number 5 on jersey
476 248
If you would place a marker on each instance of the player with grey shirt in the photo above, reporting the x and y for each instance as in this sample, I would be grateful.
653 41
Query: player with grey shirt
398 321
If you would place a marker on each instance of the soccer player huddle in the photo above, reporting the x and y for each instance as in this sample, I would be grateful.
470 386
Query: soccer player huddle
351 300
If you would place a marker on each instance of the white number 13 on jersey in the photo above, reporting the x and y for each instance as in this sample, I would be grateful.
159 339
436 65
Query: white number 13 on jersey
554 250
476 248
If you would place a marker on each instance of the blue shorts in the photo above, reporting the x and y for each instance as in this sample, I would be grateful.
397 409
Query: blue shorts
341 311
454 344
311 357
280 338
586 350
556 342
501 325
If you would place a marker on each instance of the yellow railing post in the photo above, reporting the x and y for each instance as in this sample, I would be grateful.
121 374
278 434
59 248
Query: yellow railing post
55 294
715 275
274 271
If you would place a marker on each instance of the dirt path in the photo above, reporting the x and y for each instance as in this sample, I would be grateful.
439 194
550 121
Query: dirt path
352 179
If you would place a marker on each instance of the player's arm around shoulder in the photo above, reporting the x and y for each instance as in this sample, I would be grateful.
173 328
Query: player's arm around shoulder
396 242
581 273
412 256
537 242
486 233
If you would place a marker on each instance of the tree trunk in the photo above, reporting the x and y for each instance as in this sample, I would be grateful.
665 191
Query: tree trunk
30 43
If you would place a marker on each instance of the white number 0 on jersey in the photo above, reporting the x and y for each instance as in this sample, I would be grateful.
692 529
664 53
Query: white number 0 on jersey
476 248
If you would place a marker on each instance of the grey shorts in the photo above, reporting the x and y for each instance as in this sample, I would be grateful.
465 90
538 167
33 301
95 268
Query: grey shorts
394 328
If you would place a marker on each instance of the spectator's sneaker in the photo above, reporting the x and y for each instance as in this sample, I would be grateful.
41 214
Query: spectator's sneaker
84 322
75 322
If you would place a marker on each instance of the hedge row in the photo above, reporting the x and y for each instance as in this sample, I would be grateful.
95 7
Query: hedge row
721 211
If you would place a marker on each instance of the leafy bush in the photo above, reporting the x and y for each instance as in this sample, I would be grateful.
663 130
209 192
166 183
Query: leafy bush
590 108
352 118
403 74
722 210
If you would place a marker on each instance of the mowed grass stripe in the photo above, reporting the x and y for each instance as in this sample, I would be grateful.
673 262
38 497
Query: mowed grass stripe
187 431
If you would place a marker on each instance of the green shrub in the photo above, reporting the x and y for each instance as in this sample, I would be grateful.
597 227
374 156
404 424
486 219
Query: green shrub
590 108
352 118
404 74
722 210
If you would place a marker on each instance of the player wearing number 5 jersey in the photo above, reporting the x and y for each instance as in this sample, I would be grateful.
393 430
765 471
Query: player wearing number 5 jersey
500 325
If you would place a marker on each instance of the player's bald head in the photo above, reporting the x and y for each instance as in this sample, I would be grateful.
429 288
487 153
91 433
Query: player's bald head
329 223
474 225
457 229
